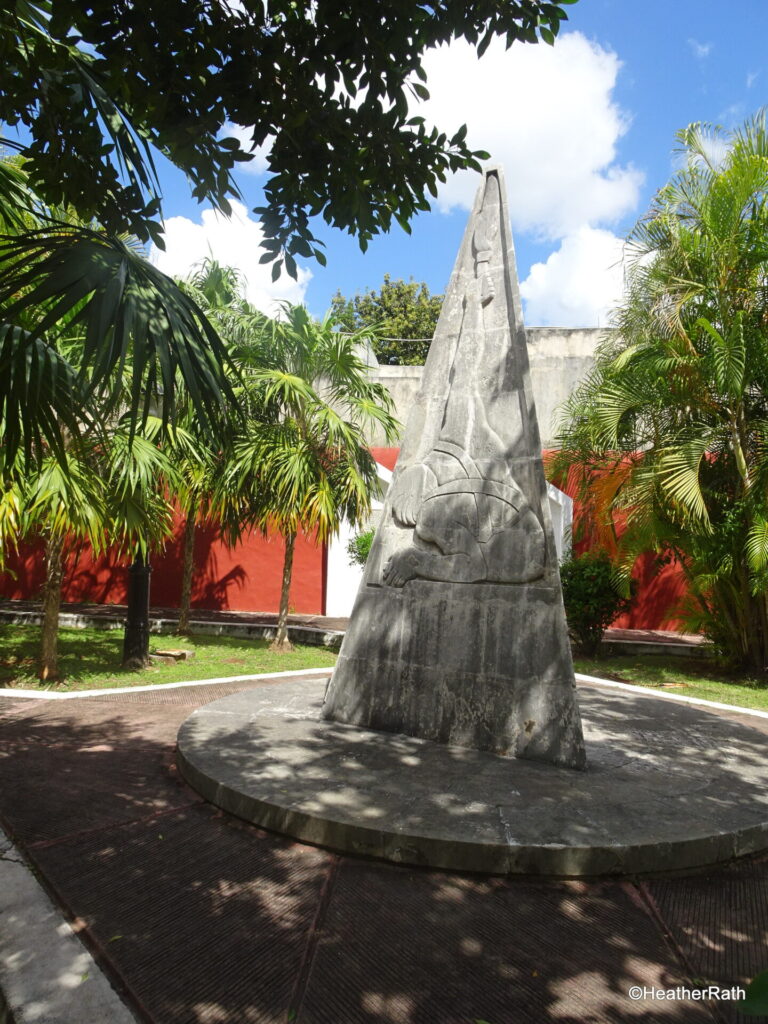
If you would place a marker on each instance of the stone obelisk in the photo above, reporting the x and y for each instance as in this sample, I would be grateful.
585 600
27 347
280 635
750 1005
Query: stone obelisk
458 633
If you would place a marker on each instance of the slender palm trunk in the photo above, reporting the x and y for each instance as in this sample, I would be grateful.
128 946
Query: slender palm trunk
187 570
281 641
49 639
136 633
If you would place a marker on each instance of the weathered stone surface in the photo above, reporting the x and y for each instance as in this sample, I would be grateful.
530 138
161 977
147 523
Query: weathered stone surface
458 633
668 787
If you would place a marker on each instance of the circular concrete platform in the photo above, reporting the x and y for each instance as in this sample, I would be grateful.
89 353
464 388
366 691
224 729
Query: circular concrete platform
668 787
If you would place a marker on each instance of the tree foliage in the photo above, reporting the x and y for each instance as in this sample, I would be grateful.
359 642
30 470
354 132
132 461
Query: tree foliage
672 427
95 85
401 315
359 547
592 599
303 463
78 306
110 487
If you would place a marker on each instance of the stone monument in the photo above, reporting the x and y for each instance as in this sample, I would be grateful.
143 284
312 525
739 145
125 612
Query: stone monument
457 659
458 633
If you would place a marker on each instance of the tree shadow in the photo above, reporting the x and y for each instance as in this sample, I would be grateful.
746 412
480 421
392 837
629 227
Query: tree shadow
206 920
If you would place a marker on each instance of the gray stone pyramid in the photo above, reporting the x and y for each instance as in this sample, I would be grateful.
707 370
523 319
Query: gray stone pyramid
458 633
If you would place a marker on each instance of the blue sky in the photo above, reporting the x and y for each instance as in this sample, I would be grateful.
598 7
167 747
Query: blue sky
584 130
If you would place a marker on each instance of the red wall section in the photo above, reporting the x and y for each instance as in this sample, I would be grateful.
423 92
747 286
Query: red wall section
387 457
244 578
247 577
660 583
660 592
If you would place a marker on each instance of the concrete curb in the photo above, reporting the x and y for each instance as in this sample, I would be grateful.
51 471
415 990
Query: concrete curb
53 695
47 976
580 677
635 648
597 681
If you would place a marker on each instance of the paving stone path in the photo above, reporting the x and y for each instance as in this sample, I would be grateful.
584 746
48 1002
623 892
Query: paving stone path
200 919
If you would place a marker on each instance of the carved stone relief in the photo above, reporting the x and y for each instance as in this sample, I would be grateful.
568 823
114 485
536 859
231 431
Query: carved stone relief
468 525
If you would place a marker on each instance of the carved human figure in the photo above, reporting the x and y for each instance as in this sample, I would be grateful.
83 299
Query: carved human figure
469 529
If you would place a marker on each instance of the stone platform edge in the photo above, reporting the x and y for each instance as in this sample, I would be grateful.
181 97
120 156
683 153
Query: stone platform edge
214 772
555 862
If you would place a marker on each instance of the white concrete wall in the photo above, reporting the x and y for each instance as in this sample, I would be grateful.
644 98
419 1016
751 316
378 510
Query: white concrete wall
343 577
559 359
561 511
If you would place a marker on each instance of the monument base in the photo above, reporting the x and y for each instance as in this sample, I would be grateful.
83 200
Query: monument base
490 671
668 787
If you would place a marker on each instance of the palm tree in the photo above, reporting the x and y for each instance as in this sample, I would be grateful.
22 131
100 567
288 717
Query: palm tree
60 279
198 454
302 461
108 489
673 423
62 502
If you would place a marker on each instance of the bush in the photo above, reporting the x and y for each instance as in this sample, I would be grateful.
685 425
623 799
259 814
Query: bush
591 599
359 547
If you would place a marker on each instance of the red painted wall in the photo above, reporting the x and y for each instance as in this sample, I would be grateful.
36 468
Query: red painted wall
244 578
386 457
247 577
660 592
660 584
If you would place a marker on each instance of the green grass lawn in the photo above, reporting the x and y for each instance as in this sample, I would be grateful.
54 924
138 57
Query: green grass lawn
690 677
89 659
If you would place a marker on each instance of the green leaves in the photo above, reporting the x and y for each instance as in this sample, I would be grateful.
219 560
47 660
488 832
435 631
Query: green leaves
679 471
94 89
400 318
680 395
592 599
755 1002
757 545
40 392
63 280
16 201
729 355
303 460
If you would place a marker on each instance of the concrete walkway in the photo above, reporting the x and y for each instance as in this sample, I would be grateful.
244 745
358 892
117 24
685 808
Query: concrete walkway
198 918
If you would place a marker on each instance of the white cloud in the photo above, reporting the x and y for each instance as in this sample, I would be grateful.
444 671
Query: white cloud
259 164
546 114
579 284
235 242
752 77
700 50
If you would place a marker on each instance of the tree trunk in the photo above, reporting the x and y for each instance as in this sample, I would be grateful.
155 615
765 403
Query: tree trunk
281 642
186 573
136 635
49 640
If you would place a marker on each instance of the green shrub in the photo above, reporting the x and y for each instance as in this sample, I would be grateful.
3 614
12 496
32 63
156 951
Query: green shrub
591 599
359 547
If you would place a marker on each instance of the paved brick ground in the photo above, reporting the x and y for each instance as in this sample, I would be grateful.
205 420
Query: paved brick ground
200 919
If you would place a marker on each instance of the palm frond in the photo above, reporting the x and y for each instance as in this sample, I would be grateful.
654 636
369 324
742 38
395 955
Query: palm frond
757 545
679 470
40 393
129 313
